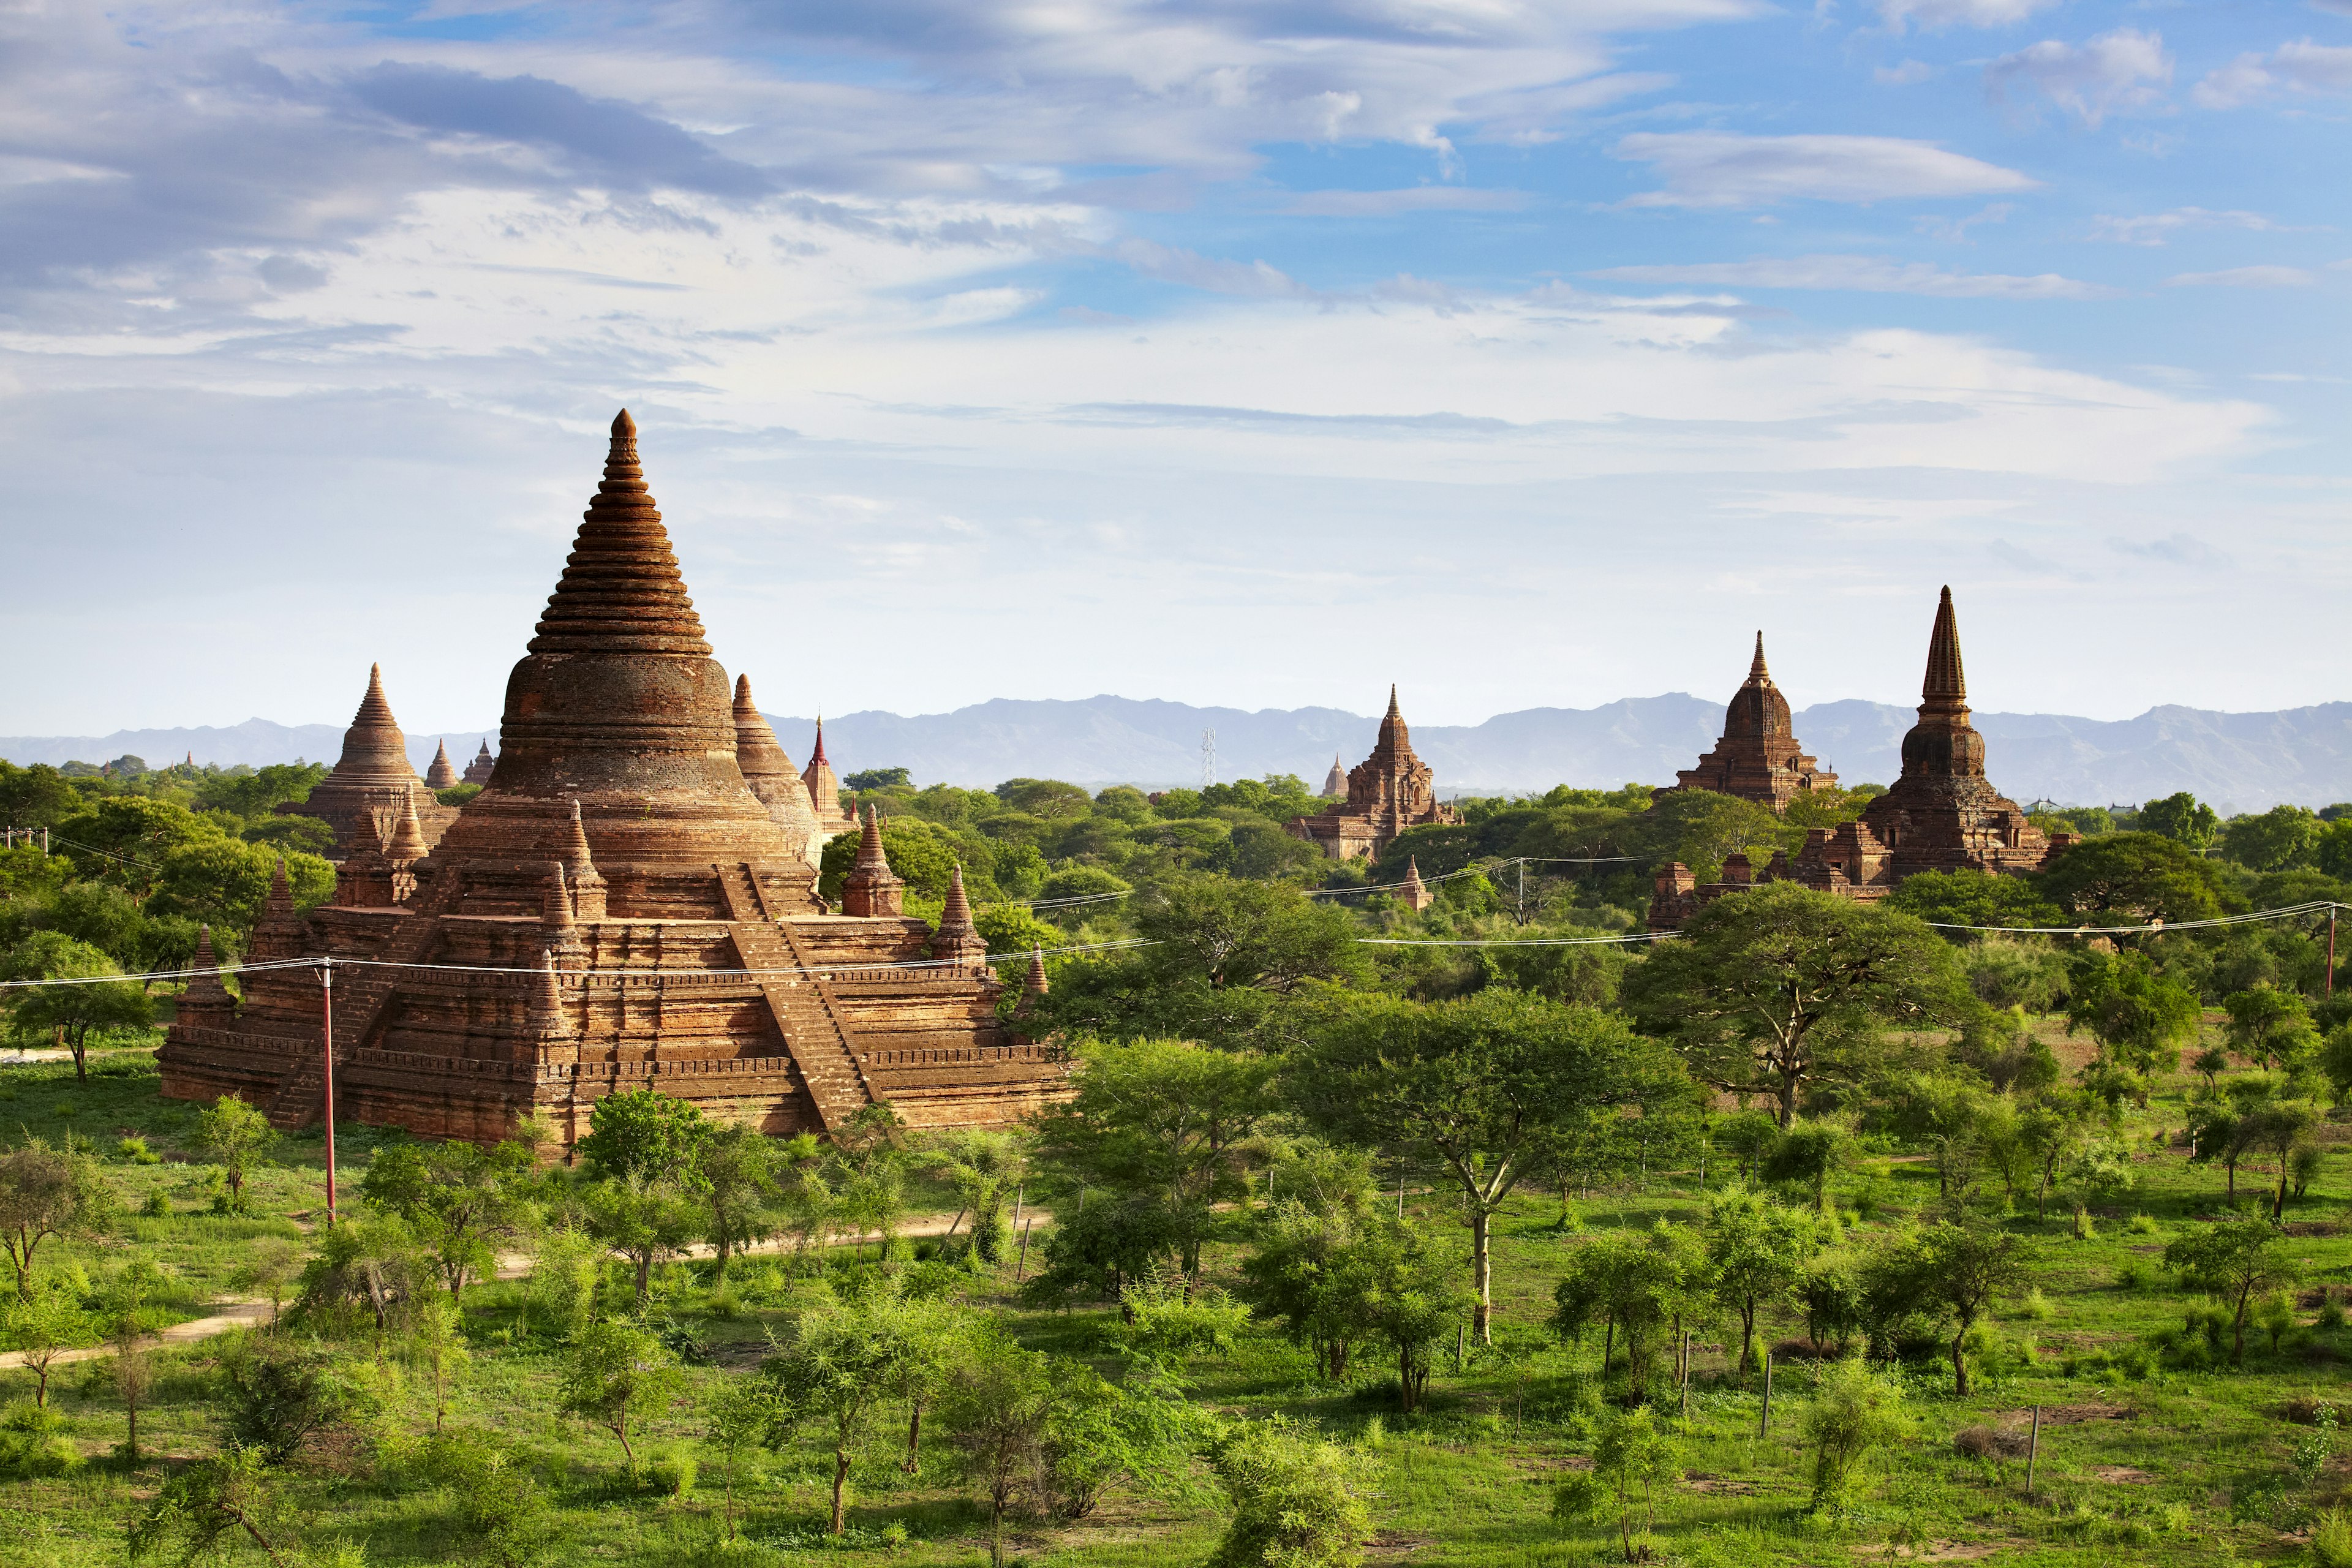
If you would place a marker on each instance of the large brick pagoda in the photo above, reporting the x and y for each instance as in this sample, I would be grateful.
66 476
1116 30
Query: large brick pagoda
616 908
1387 792
1758 757
1941 815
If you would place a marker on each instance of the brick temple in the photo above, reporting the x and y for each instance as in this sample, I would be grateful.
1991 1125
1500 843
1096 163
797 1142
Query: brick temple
1758 757
618 908
1941 815
373 785
1387 792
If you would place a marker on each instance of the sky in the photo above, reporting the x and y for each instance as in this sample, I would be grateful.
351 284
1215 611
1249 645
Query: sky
1252 353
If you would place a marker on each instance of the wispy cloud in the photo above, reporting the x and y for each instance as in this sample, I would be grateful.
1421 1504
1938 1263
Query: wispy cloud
2115 72
2156 228
2299 66
1904 75
1721 169
1392 204
2173 550
1170 263
1864 274
2244 278
1933 14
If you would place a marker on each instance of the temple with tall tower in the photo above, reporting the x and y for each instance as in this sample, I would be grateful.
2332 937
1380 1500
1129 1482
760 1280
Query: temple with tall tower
1941 815
619 908
1387 792
1758 757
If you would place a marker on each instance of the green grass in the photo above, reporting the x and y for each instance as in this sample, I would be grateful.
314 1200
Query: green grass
1466 1483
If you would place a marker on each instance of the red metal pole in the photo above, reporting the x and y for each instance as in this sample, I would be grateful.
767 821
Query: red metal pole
327 1057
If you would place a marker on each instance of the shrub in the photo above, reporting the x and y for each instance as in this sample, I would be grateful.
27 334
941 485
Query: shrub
135 1151
2331 1312
1298 1500
671 1474
2276 1317
33 1442
157 1206
1990 1443
1852 1414
2142 1224
2331 1540
2134 1275
2036 1306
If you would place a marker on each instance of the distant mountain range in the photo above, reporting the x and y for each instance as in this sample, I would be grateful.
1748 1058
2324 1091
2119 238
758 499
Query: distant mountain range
2242 762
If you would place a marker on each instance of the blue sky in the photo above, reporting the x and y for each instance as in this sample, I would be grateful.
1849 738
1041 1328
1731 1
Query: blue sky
1246 351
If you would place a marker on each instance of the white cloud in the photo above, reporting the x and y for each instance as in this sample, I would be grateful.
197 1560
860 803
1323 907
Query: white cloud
2299 66
1954 230
2118 71
2173 548
1932 15
2155 228
1865 274
2244 278
1391 204
1904 75
1169 264
1722 169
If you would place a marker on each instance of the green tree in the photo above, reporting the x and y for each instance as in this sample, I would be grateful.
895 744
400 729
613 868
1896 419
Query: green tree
644 1138
1951 899
274 1397
41 1327
458 1200
1809 1153
839 1369
1298 1500
2271 1027
126 1315
737 1417
2128 878
2282 1127
1770 991
436 1338
618 1376
2234 1260
2273 840
1631 1284
205 1503
1163 1124
645 1226
2181 817
71 1013
46 1193
236 1137
1961 1271
1631 1455
1755 1252
739 1169
2139 1017
997 1408
1477 1088
2051 1129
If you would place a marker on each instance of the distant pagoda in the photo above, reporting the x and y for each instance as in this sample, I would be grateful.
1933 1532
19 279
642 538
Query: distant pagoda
1758 757
617 909
1941 815
1387 792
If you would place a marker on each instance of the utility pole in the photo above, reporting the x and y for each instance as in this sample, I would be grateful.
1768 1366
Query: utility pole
2331 949
1523 890
1208 758
327 1069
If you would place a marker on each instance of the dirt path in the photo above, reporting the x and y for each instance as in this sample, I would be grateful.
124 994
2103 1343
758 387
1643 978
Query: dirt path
244 1314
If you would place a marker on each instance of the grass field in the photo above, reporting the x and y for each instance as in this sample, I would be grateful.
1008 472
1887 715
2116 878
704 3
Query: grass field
2136 1466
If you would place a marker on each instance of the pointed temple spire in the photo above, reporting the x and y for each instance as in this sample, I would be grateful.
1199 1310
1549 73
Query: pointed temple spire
205 1000
872 889
621 591
1415 893
588 889
1334 783
547 998
407 835
477 772
279 934
1944 685
767 769
825 788
556 901
442 774
1757 674
957 937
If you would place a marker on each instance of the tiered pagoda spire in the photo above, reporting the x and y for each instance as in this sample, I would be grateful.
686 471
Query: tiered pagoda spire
442 774
767 769
1758 757
958 938
871 888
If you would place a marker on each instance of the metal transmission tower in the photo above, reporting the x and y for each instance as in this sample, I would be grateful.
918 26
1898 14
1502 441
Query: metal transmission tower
1208 758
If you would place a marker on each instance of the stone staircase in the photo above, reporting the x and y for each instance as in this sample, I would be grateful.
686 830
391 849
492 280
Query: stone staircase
364 995
814 1029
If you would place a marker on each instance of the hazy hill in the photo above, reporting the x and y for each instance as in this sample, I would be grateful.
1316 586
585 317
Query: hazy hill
2243 760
